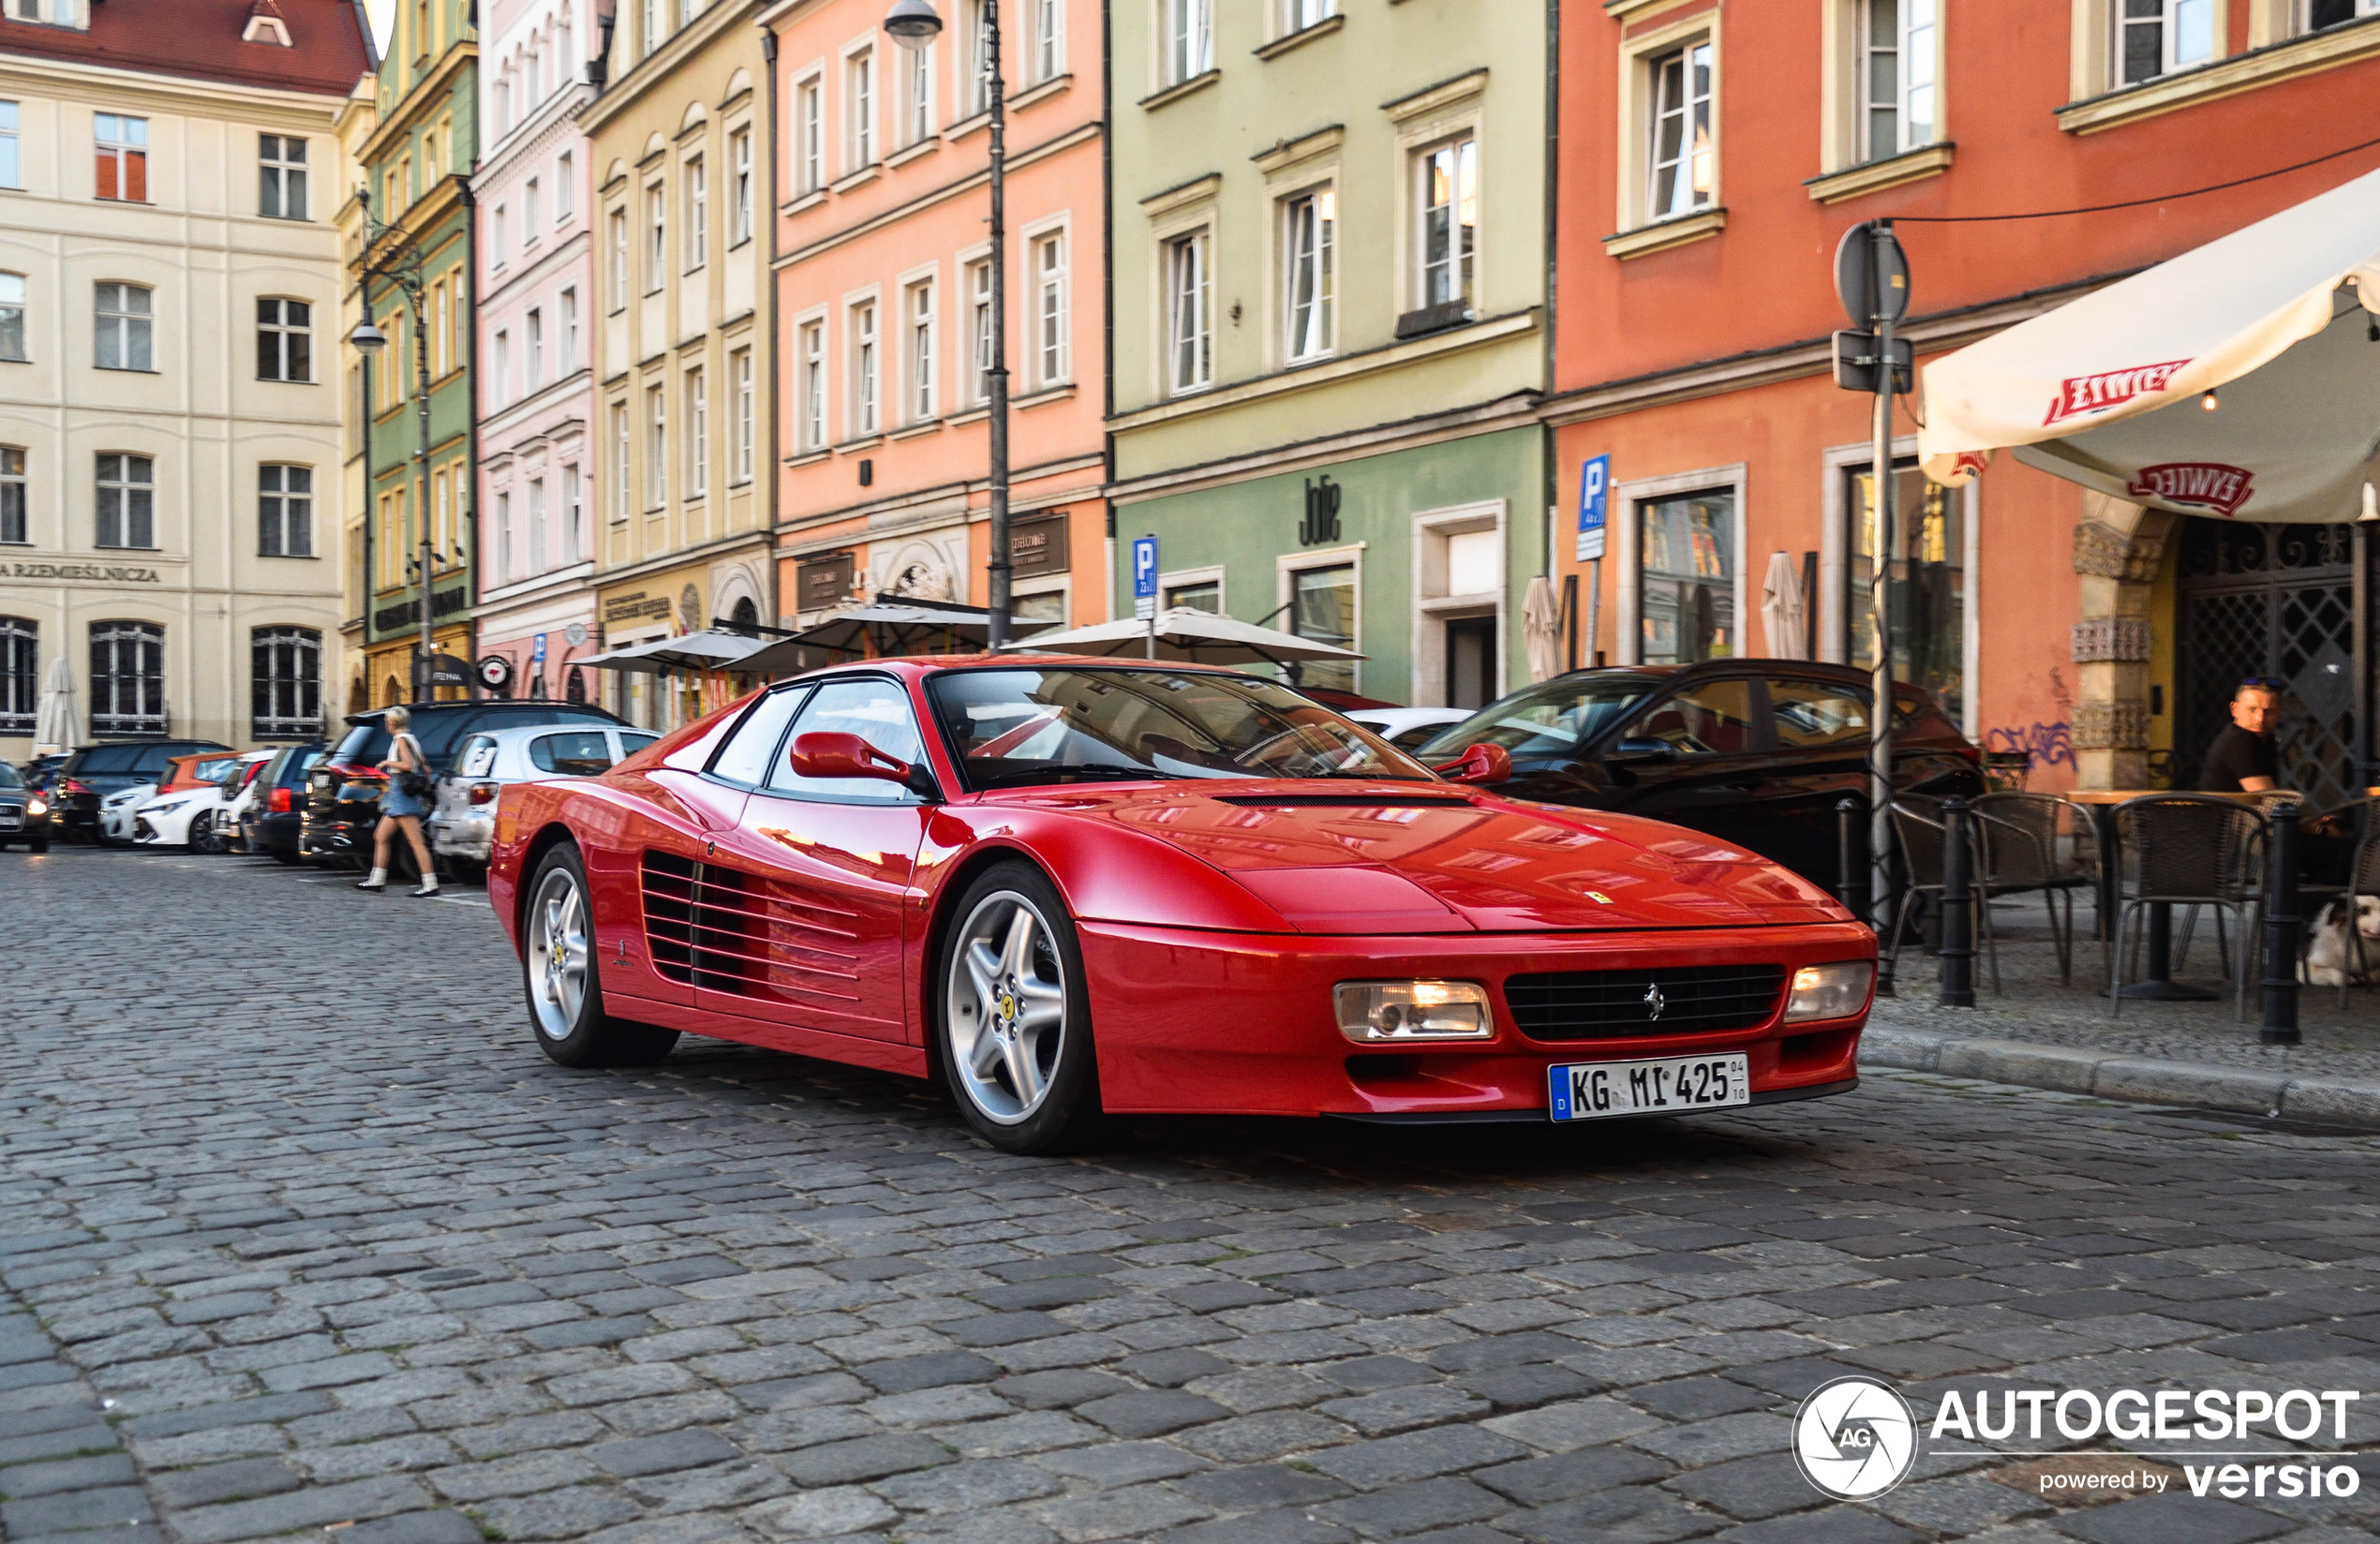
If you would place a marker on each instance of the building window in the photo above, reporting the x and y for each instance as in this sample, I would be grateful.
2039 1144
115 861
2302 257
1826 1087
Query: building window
504 538
531 229
124 158
810 133
285 511
2156 37
19 674
1896 75
285 682
1297 15
654 13
1189 305
656 448
919 311
2331 13
125 320
13 317
128 500
621 473
1322 608
1927 593
814 386
537 526
656 237
697 434
916 94
284 340
859 104
500 377
567 359
697 184
739 157
1686 568
11 165
1683 162
1048 259
1048 40
16 529
565 189
746 414
534 338
620 261
976 95
864 369
127 678
979 332
1447 193
1198 595
573 515
1308 235
1189 39
281 176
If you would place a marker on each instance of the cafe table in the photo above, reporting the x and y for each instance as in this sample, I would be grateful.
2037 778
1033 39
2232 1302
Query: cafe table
2157 985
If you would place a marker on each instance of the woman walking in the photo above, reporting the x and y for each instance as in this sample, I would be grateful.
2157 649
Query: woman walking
402 805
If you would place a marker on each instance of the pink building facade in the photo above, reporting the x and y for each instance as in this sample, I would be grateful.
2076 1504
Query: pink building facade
536 284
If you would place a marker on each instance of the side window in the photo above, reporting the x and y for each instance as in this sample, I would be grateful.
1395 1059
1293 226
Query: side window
478 757
1711 719
875 710
632 742
1811 714
745 759
575 753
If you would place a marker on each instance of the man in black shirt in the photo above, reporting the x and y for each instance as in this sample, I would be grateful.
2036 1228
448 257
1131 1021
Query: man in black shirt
2243 760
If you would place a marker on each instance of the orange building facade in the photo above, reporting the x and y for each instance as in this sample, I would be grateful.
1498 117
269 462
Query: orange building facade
1713 154
884 308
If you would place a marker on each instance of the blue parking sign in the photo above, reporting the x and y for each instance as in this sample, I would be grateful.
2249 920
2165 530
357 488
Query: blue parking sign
1595 488
1144 568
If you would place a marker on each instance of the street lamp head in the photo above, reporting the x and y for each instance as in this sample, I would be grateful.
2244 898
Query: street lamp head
913 23
368 338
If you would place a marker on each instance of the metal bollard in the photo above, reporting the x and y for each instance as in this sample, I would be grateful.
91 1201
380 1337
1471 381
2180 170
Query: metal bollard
2281 928
1958 909
1851 855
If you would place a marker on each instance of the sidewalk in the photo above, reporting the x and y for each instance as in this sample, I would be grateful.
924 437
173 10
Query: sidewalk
2046 1035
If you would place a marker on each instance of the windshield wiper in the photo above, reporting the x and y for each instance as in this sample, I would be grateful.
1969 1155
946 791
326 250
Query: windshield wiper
1062 774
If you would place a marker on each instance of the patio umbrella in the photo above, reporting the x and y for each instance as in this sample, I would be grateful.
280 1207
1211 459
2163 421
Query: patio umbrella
1781 607
54 719
888 626
1541 629
2235 379
1188 636
709 649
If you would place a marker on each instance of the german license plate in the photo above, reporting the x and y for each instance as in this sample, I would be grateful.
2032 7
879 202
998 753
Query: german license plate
1592 1090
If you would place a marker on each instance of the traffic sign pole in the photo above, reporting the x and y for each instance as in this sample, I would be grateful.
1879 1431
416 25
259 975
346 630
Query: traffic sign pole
1144 585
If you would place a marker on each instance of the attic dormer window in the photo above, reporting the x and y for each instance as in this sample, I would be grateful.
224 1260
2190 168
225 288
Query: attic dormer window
266 27
61 14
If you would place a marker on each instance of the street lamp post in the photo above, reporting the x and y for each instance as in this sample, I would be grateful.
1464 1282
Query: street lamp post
403 268
915 24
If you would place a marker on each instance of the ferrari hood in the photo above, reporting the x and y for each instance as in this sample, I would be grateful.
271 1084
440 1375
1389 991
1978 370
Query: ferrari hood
1433 858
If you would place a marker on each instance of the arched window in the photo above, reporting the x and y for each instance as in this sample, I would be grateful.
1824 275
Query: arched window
391 693
285 682
127 678
19 674
575 686
745 614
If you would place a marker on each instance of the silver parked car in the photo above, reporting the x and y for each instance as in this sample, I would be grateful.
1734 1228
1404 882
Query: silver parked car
462 824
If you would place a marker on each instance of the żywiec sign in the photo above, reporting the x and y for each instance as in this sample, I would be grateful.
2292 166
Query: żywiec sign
104 572
2079 395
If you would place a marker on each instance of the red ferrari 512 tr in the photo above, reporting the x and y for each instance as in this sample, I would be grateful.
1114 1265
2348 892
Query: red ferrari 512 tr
1068 888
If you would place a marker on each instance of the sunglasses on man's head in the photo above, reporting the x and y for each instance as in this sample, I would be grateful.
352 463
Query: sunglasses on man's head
2261 683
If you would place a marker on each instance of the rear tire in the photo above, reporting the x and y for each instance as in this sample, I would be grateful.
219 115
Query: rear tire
1012 1019
559 975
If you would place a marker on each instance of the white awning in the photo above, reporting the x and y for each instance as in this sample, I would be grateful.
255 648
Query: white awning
709 649
2108 390
1187 635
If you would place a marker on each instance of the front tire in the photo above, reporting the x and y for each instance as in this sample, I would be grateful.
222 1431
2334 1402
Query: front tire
203 837
1013 1020
557 967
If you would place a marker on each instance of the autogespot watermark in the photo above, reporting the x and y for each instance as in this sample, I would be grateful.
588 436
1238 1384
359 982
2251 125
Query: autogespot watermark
1857 1438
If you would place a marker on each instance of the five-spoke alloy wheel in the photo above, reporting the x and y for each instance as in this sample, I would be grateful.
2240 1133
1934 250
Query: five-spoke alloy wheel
1016 1040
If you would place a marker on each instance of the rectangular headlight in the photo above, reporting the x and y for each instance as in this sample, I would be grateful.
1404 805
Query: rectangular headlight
1375 1012
1830 991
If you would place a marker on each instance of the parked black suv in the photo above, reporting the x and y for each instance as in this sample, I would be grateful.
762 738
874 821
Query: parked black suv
343 790
1755 752
25 814
275 818
97 771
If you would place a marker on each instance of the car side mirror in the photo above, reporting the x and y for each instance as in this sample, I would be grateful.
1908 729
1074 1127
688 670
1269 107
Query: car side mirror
1481 763
1639 748
822 755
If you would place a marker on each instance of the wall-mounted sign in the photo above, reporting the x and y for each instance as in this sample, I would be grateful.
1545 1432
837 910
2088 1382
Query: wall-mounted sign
105 573
1594 497
576 634
496 672
537 650
820 582
633 607
1321 522
1037 547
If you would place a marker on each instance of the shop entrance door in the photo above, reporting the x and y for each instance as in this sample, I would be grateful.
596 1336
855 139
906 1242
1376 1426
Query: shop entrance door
2285 603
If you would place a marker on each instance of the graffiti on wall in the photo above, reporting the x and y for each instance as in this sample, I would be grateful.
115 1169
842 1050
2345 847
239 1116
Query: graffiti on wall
2043 744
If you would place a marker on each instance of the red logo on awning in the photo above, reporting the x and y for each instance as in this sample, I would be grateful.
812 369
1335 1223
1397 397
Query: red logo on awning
2080 394
2200 484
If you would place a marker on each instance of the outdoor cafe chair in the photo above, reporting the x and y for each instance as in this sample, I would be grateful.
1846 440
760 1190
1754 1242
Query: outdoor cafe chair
1917 823
2037 842
2364 879
2185 849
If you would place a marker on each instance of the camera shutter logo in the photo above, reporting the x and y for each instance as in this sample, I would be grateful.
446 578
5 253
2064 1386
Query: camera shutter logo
1854 1438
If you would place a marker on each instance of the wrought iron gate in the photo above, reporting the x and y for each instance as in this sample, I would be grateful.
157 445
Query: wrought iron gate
2282 601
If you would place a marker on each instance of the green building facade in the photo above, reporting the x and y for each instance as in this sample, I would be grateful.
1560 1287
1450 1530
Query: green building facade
1328 280
416 167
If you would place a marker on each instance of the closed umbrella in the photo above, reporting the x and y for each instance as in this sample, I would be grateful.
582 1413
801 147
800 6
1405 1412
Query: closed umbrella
54 720
1782 608
1541 629
1187 635
709 649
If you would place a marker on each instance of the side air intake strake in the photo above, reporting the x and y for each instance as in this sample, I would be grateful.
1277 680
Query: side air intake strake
726 931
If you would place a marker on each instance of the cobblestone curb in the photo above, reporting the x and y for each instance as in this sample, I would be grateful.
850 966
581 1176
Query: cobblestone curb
2116 1074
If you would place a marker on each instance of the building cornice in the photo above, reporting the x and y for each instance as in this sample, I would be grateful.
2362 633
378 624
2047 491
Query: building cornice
707 552
411 108
1513 412
23 75
555 118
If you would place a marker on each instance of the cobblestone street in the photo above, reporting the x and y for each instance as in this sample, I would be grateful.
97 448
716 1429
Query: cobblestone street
300 1232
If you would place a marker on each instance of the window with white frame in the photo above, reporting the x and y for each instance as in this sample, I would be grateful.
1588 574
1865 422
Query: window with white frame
565 187
2314 15
1683 167
866 370
280 176
127 486
1445 197
975 94
439 333
1047 35
536 525
1189 39
697 184
499 235
532 203
11 160
810 136
979 333
284 511
656 237
285 682
566 357
503 99
533 342
565 54
859 109
916 94
1189 312
284 339
656 448
621 497
812 361
747 415
917 315
2156 37
656 12
1308 238
573 515
619 245
500 377
1048 256
1297 15
504 538
125 319
15 523
13 303
1898 42
740 160
127 678
697 432
124 158
19 674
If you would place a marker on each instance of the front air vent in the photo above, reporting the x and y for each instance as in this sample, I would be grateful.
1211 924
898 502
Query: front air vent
1662 1000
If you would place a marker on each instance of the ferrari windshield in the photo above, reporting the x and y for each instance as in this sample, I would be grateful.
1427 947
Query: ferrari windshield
1010 728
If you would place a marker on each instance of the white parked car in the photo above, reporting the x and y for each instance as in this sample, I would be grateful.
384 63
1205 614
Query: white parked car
461 823
118 809
192 816
1409 728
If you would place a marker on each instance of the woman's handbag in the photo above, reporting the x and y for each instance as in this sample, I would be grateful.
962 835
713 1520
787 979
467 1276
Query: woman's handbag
413 782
